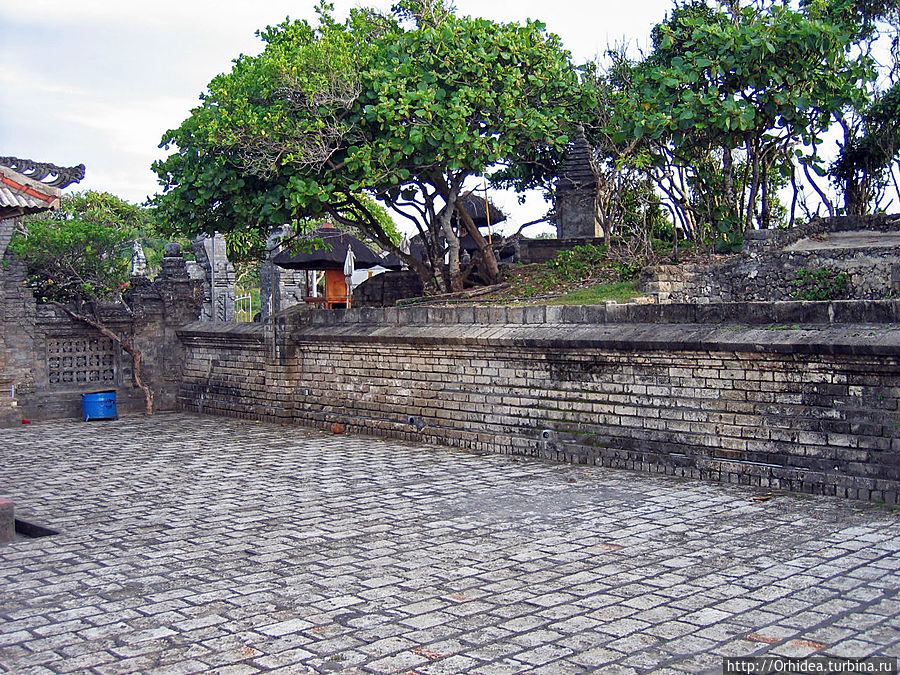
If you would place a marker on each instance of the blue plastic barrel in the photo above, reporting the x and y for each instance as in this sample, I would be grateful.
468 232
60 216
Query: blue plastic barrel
100 405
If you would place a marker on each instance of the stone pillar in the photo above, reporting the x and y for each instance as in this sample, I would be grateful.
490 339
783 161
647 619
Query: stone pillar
7 227
173 264
138 260
7 520
279 288
212 259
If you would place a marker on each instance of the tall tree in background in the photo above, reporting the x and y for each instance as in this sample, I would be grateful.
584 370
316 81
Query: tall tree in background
725 99
871 131
405 108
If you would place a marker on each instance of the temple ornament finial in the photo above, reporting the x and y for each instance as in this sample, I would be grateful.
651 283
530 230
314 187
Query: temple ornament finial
60 177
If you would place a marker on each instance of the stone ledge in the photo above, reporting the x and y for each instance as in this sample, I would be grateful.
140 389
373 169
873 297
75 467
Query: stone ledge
858 341
743 313
222 333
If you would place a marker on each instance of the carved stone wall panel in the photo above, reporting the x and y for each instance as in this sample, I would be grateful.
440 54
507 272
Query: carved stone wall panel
79 361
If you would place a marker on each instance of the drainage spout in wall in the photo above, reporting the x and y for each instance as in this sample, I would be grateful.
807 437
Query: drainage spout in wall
414 421
548 441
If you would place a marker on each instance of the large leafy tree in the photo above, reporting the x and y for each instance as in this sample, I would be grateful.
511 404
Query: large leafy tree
871 131
867 155
80 256
724 103
405 108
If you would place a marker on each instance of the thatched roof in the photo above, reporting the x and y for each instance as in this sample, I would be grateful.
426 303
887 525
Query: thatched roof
475 207
332 252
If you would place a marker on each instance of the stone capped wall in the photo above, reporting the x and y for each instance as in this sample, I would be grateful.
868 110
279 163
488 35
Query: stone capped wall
773 261
810 409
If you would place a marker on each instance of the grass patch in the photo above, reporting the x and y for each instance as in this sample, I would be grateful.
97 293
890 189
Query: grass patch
617 290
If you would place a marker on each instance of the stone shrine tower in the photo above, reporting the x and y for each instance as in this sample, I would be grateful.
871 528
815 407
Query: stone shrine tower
576 190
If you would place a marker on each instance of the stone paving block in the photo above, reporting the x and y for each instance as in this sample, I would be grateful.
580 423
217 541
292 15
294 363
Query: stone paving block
450 666
400 662
285 627
852 648
505 667
192 544
598 657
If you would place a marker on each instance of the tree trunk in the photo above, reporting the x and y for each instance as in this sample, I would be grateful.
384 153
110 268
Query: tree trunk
857 194
753 160
794 194
450 193
426 275
456 282
488 267
137 370
728 172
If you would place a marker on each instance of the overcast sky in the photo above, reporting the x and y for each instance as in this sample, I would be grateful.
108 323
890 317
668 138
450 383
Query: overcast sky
98 82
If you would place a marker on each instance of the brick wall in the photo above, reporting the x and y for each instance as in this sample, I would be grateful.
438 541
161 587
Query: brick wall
48 360
385 289
810 409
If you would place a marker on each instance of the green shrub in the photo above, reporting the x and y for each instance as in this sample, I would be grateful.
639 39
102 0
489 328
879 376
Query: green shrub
821 284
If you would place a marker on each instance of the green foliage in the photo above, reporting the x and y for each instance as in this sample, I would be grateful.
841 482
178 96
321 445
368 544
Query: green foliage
729 242
617 290
821 284
579 265
721 76
329 116
863 165
82 252
99 208
860 18
582 262
720 107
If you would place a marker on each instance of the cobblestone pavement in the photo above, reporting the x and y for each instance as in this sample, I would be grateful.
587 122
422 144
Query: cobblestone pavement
196 544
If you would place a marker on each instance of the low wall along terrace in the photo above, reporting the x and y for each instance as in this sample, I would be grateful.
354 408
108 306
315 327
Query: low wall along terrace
778 395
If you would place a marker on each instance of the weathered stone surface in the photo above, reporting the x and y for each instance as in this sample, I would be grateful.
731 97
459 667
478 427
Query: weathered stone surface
774 261
47 360
811 409
385 289
575 197
542 250
7 520
200 544
217 276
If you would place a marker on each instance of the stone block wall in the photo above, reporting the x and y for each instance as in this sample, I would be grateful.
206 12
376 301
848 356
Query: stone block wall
385 289
770 266
812 409
47 359
756 278
542 250
230 370
7 520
